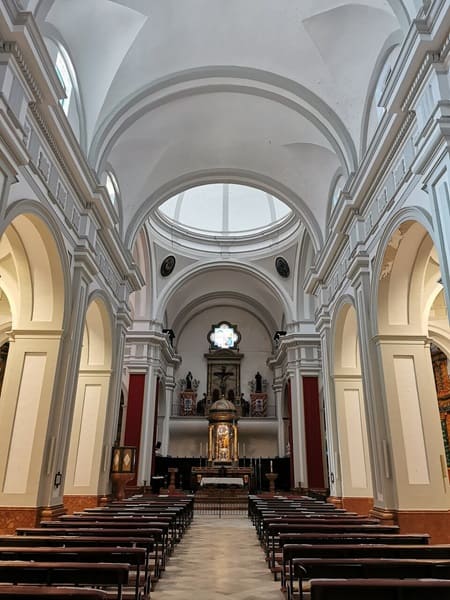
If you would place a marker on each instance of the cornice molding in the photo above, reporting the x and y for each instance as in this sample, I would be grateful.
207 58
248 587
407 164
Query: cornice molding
9 47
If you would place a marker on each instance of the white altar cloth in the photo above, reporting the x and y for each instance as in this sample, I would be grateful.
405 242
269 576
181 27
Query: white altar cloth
222 481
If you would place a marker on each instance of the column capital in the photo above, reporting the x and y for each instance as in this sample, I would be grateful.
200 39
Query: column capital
323 320
359 266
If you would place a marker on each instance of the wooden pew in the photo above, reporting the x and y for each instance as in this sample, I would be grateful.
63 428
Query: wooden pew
67 573
368 568
134 557
274 530
376 589
290 519
293 553
175 518
25 592
151 539
166 523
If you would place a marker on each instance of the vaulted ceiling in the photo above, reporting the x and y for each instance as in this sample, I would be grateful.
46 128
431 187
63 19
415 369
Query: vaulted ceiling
178 93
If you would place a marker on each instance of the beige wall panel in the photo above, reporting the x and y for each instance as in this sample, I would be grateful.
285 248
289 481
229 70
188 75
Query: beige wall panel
355 440
411 420
20 451
87 438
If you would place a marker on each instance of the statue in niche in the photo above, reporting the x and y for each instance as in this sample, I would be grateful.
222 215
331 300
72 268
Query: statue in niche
223 443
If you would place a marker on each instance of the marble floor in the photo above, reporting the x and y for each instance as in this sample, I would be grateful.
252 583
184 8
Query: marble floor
218 558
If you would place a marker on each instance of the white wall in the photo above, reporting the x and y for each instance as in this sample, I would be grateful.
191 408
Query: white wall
255 344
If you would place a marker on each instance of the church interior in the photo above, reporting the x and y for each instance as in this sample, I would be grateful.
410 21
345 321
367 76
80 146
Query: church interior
224 254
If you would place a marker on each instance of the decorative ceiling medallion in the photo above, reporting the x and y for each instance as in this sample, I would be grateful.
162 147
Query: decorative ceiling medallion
282 266
167 266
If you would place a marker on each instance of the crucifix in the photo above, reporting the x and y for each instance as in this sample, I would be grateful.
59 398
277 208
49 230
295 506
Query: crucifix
223 375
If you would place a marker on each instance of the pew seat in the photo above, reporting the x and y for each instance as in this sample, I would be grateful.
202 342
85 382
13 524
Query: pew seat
114 576
293 553
307 569
380 589
25 592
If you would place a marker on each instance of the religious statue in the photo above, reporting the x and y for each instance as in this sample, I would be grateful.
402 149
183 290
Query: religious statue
223 443
223 375
245 406
258 382
189 383
201 405
258 385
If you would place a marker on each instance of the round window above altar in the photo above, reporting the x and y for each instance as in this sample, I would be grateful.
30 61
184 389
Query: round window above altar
225 209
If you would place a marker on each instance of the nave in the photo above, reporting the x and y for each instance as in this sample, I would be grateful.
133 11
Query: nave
217 558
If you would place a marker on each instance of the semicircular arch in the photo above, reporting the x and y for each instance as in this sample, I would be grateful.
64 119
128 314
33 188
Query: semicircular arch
242 177
258 275
207 80
43 273
394 267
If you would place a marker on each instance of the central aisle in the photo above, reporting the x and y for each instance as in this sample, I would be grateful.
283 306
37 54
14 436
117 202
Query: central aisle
218 557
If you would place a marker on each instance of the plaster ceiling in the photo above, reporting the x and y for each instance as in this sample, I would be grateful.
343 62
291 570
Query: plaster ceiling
176 88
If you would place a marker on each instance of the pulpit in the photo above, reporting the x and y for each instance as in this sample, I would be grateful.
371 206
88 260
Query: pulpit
122 469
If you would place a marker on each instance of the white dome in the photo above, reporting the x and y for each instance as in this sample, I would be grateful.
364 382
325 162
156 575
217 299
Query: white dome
222 208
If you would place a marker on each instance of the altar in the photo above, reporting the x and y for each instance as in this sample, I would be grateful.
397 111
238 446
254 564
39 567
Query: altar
222 472
222 481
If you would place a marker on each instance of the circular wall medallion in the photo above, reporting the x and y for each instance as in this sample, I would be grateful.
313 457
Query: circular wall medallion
282 266
167 266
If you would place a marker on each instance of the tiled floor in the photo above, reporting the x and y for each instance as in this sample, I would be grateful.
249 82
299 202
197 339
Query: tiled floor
218 558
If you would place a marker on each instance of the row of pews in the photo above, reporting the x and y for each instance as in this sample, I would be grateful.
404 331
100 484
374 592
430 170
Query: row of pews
325 553
118 551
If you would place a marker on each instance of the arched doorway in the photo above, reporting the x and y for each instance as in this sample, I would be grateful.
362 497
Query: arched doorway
355 469
89 450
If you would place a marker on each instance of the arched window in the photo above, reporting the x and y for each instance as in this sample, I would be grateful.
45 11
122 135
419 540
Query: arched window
383 79
64 76
338 187
112 188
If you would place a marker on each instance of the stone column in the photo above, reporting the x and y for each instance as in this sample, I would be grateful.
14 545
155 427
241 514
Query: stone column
298 450
278 390
334 467
61 415
115 386
170 388
418 466
377 432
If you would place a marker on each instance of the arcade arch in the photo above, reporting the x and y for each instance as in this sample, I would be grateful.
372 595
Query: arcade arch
32 314
88 449
411 311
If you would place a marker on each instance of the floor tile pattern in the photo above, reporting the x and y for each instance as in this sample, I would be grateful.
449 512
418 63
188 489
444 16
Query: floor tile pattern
218 558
